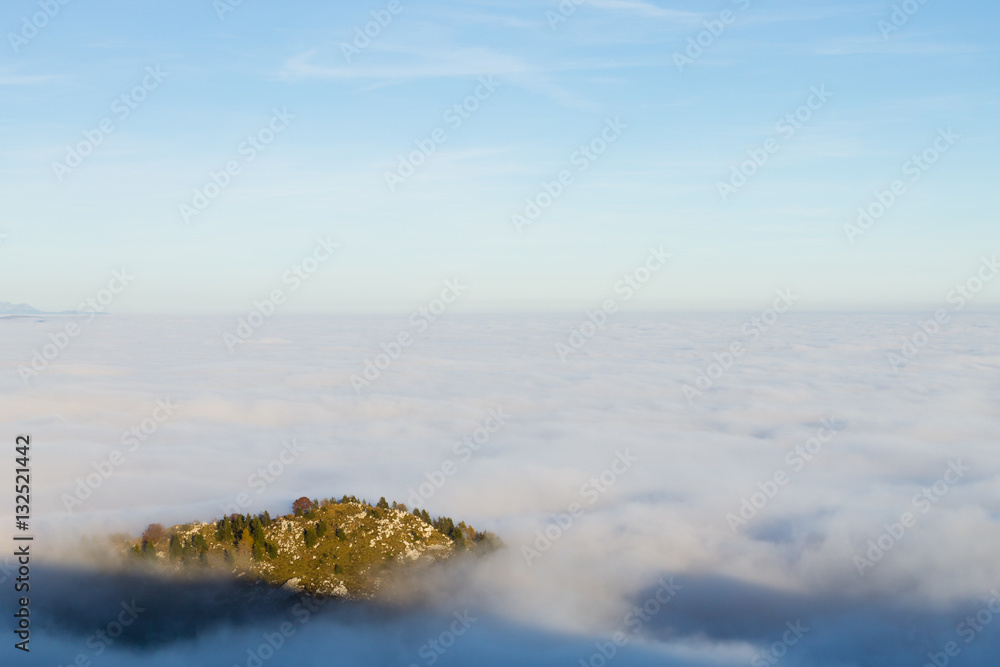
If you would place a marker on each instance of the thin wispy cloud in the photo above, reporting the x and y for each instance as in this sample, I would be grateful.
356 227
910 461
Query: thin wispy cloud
469 61
9 78
644 9
852 46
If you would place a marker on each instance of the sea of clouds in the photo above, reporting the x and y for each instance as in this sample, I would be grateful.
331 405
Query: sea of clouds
806 502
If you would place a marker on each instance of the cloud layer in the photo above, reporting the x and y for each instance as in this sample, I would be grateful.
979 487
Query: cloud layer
775 493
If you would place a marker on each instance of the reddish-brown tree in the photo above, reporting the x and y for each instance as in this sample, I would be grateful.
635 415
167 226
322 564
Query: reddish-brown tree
302 505
154 533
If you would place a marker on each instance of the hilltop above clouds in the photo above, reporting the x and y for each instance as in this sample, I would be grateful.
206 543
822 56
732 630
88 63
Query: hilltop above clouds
811 483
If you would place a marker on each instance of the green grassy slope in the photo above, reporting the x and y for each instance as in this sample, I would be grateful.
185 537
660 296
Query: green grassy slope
333 548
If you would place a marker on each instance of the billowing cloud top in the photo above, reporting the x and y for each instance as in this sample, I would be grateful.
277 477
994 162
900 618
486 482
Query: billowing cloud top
819 494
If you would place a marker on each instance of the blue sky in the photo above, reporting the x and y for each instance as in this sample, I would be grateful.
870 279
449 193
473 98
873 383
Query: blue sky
656 184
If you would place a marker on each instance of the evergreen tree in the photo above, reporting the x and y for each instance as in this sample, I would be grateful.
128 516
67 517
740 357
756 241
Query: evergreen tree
444 525
188 550
199 543
224 530
176 548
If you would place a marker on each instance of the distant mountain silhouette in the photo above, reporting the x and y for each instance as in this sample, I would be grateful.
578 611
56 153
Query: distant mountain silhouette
7 308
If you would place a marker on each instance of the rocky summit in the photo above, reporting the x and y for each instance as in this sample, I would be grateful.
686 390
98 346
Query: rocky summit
339 548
